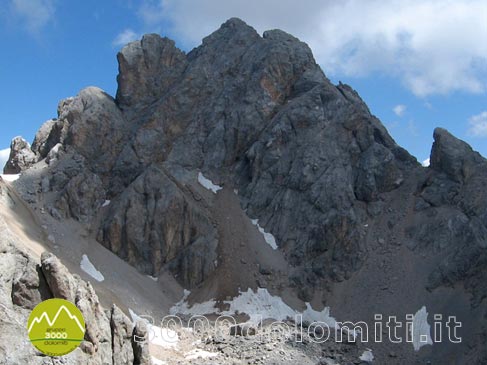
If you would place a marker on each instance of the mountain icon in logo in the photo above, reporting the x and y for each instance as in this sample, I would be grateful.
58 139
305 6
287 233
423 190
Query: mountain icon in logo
45 317
56 327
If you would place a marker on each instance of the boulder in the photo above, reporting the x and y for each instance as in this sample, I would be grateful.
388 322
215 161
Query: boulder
61 283
21 157
453 156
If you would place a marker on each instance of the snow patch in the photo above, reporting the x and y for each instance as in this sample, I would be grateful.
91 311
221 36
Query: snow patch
162 337
90 269
135 317
259 305
198 353
153 278
106 203
156 361
56 148
269 238
10 178
421 329
197 309
367 356
311 315
208 184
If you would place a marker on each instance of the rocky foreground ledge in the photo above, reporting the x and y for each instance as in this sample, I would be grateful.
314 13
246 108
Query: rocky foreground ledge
26 281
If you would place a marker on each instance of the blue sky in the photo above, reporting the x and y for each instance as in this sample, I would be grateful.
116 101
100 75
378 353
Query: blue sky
417 64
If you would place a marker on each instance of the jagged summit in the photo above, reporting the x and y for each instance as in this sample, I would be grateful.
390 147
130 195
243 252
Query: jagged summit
202 156
147 68
454 157
233 29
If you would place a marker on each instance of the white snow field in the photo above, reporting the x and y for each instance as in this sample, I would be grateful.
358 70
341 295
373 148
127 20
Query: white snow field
269 238
90 269
259 305
421 333
208 184
10 178
367 356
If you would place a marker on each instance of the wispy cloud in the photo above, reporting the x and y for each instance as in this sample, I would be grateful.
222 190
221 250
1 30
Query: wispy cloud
4 155
34 14
413 128
124 37
432 46
399 110
392 126
478 125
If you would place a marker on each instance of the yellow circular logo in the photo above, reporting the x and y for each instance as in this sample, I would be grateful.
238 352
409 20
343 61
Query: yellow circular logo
56 327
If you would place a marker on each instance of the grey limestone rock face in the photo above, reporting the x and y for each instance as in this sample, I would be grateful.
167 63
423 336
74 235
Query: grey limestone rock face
82 196
29 285
147 68
455 222
454 157
95 128
47 137
155 222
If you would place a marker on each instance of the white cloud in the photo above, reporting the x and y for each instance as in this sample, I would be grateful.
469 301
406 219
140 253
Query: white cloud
4 154
426 162
35 14
432 46
399 110
478 125
126 36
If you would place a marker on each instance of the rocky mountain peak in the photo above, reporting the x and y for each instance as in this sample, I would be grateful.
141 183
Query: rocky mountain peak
253 112
453 156
204 158
147 68
233 27
21 156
